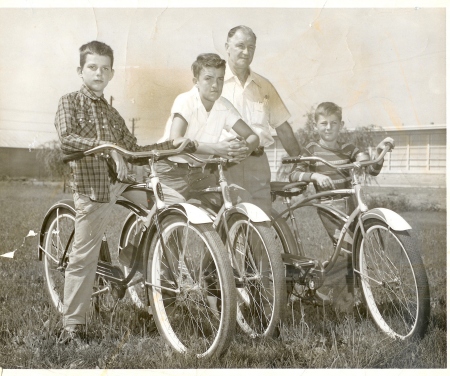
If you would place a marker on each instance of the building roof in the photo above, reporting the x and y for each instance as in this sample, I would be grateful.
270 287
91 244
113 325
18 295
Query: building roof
401 128
416 127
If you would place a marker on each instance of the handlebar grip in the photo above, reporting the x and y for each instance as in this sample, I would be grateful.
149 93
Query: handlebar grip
73 156
287 160
191 147
391 146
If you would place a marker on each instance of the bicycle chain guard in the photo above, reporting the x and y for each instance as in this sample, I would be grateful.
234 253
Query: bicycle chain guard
105 270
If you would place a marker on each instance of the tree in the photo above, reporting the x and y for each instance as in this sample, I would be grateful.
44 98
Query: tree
364 138
51 154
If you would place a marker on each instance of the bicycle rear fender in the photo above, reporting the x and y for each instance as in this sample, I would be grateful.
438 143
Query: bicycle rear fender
252 211
285 234
67 204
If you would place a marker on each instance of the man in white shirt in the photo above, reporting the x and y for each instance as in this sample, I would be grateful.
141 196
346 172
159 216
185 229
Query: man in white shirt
261 108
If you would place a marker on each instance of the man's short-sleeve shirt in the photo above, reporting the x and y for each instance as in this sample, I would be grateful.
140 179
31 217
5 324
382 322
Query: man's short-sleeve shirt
258 102
203 126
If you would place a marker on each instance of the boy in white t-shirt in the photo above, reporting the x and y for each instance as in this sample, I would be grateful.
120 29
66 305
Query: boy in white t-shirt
200 115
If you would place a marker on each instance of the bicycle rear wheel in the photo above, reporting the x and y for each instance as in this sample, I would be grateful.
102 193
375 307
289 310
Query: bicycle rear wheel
393 280
58 241
262 293
191 288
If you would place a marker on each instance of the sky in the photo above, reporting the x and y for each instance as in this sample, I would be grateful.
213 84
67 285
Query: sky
385 66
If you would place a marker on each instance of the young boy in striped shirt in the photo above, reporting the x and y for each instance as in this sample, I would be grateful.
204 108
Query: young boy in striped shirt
328 123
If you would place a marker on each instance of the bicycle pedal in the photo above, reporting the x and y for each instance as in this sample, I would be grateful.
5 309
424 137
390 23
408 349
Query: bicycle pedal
298 261
319 299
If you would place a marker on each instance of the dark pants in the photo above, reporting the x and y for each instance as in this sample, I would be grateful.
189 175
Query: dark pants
339 280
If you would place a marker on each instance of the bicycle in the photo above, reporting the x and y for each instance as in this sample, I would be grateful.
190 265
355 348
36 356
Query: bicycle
257 265
188 281
385 257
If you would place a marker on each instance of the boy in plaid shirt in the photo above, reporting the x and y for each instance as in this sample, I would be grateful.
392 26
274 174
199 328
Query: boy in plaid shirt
84 120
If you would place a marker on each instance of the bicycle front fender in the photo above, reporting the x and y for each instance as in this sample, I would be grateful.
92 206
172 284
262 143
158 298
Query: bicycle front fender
66 204
391 218
252 211
194 214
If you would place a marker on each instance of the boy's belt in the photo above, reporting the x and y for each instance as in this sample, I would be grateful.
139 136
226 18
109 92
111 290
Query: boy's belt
258 151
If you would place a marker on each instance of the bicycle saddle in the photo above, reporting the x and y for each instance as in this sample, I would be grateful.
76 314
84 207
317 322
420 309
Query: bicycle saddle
285 189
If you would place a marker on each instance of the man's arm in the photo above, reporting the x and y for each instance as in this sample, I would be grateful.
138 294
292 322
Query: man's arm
288 139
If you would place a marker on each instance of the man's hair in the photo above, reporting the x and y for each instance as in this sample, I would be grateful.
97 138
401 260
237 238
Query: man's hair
243 28
95 47
207 60
327 109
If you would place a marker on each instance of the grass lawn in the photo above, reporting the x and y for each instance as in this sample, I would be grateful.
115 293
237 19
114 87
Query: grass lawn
311 338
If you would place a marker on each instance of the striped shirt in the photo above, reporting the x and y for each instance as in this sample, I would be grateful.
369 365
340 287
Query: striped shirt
82 121
346 153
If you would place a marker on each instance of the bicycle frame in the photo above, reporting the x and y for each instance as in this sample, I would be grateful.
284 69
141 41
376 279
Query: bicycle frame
352 222
104 269
220 217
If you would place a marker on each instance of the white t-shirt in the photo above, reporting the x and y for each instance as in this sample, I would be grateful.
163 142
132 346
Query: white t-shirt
258 102
202 126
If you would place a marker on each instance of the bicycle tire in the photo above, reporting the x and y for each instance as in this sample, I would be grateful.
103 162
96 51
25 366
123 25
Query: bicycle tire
58 231
393 280
262 294
136 292
198 316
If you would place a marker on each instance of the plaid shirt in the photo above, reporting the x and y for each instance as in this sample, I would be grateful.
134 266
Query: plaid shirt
82 121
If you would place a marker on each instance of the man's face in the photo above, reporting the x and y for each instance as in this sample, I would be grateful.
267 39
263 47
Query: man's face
210 85
329 127
240 48
96 72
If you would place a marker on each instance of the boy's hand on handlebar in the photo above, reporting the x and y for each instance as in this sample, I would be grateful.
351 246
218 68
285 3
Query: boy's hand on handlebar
121 166
322 181
384 143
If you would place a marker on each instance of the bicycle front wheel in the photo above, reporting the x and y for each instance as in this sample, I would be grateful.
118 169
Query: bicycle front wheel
393 280
190 287
59 233
257 262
